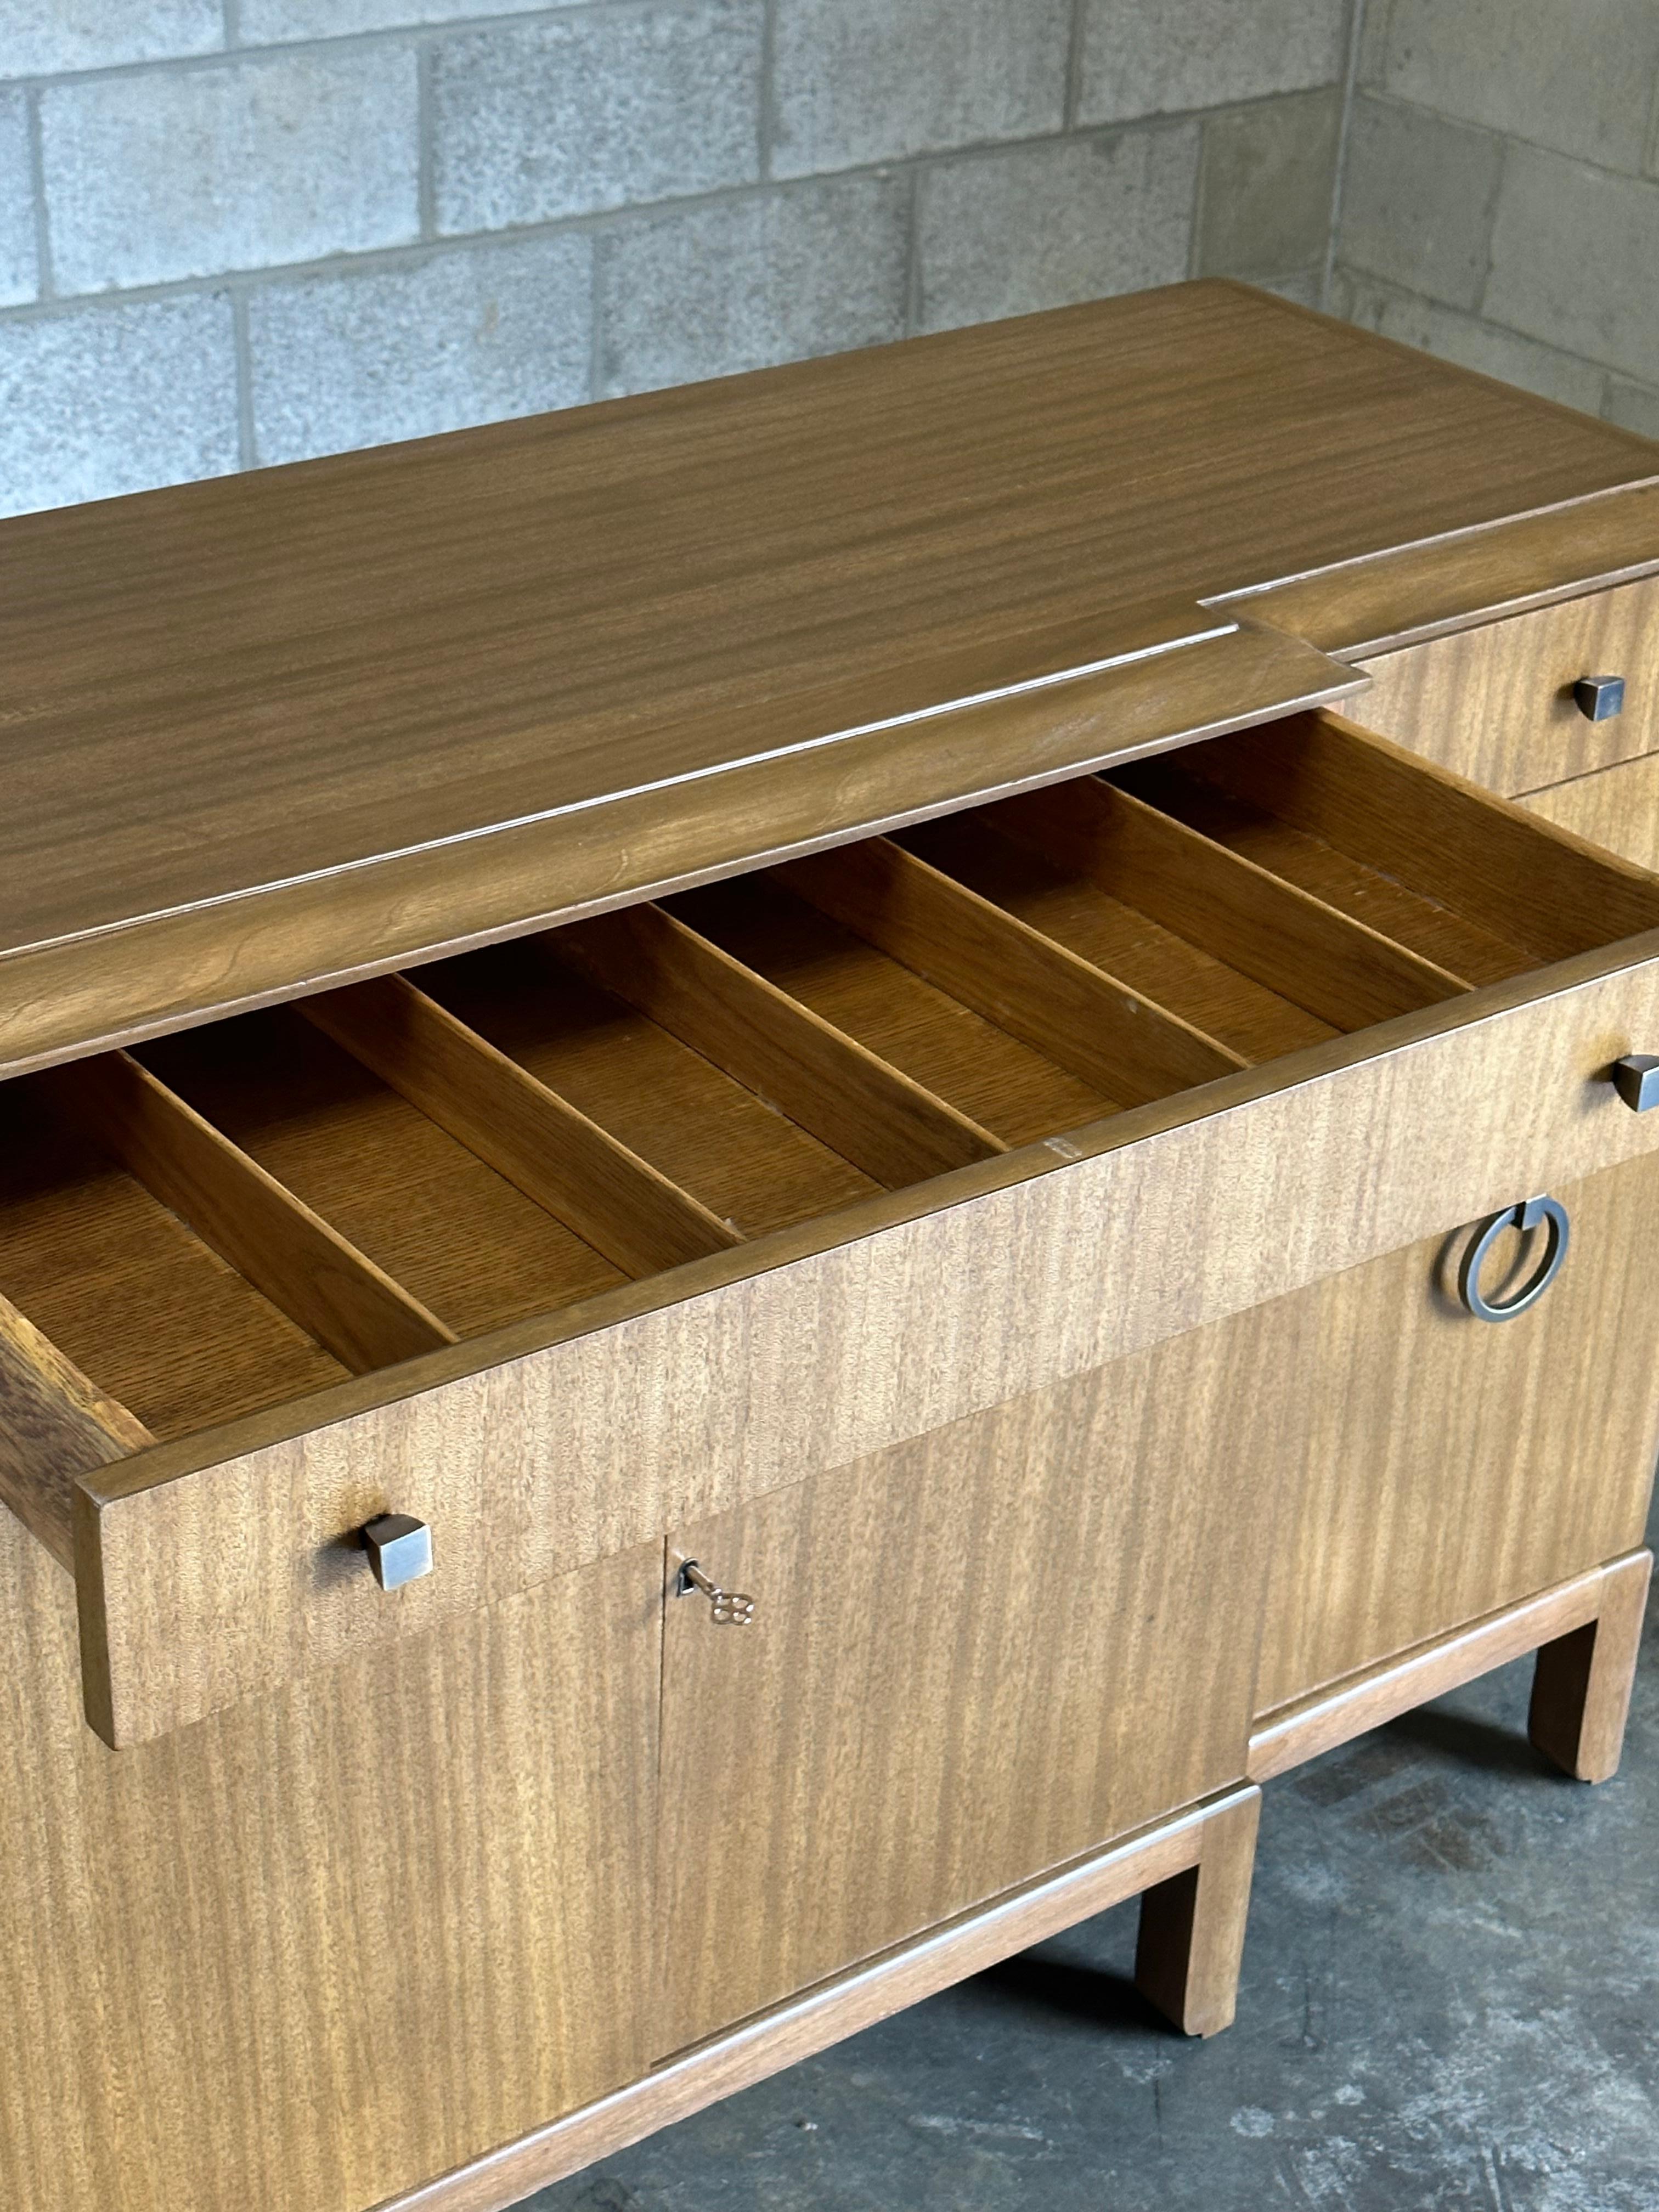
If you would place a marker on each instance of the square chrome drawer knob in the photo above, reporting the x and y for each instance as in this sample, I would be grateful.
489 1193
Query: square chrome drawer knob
1636 1079
1600 698
400 1549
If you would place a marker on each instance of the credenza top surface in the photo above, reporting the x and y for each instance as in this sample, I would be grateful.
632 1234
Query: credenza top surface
233 690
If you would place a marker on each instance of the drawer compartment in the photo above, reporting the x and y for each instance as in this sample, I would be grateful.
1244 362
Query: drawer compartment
558 1246
1496 703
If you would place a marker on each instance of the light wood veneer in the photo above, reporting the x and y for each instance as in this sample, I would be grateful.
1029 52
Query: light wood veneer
1614 807
1005 1219
1497 702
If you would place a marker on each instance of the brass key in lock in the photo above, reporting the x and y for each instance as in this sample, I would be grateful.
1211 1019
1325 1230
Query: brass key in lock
731 1608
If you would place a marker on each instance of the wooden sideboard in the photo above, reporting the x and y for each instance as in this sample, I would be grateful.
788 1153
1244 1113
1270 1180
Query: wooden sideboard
763 1153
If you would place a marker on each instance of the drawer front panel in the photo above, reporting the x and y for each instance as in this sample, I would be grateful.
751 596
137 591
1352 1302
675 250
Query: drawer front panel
1496 703
583 1239
220 1583
1617 807
1436 1470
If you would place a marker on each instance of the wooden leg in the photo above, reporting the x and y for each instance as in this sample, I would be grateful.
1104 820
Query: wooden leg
1192 1927
1581 1689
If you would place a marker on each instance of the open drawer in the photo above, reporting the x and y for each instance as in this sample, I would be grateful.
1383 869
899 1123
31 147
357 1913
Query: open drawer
559 1245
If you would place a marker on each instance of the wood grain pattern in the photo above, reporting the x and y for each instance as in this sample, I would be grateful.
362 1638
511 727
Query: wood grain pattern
1335 1714
864 506
1192 1927
54 1425
826 2015
347 1938
1582 1685
993 1452
126 1291
928 1034
321 1281
1445 1468
1038 991
542 1446
440 1220
329 693
1339 968
868 1110
1077 911
1247 827
1496 703
619 1203
739 1158
1390 599
1617 808
117 988
915 1720
1527 881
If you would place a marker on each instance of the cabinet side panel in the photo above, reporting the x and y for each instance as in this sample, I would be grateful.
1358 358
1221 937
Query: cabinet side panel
1438 1466
312 1952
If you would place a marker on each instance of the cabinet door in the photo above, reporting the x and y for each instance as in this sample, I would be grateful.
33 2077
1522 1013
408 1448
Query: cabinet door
1438 1468
973 1657
329 1943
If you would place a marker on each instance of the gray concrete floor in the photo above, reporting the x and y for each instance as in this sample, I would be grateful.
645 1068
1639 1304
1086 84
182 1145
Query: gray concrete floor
1451 1998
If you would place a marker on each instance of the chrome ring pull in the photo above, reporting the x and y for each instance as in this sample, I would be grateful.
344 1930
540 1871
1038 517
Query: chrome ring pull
1531 1214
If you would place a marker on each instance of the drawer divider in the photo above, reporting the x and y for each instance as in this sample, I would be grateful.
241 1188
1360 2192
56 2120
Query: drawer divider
1539 887
55 1426
1126 1046
626 1209
1274 931
295 1258
869 1111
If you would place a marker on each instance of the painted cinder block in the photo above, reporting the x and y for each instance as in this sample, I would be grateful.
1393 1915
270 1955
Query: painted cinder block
102 399
1633 406
858 81
473 334
776 276
608 109
1575 76
1269 179
42 38
1418 200
1033 227
1163 57
260 22
19 273
168 173
1575 251
1451 335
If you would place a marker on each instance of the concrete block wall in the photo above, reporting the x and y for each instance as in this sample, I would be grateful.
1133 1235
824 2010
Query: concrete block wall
1499 203
237 232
